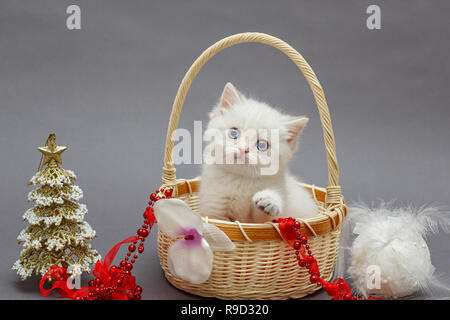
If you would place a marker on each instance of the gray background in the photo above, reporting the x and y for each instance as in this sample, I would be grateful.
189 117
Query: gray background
107 89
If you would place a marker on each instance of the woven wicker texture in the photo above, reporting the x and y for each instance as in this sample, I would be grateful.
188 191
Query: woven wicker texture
262 266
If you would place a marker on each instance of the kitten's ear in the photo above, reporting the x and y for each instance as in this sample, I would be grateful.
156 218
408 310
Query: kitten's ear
230 96
294 126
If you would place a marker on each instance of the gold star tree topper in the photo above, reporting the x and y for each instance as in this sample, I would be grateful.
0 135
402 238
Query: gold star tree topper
51 152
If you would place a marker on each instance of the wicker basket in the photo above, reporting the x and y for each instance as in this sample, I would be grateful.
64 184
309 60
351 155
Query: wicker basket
262 266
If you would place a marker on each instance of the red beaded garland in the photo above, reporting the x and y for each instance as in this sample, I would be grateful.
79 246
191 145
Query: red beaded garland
102 292
338 289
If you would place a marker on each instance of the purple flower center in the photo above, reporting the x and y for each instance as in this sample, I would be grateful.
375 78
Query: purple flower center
192 236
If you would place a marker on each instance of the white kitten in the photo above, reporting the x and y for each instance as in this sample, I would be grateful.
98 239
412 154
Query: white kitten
255 137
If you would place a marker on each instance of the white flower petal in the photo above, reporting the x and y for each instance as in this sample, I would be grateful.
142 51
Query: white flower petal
174 217
217 239
190 262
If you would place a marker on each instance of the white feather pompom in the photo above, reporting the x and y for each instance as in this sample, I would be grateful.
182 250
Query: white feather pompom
389 257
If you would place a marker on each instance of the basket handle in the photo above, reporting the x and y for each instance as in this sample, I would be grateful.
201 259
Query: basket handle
168 171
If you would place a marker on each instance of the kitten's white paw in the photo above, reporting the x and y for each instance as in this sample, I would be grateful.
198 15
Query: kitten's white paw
269 201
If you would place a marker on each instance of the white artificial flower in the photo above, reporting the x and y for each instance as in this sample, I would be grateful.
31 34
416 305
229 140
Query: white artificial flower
191 258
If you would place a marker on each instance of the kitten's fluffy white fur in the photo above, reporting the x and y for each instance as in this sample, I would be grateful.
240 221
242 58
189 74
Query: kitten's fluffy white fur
239 191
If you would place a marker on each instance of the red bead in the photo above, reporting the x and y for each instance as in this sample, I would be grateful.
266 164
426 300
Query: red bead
144 233
348 296
297 245
153 197
131 248
302 263
91 283
297 224
303 240
332 289
313 278
133 261
168 192
138 289
135 256
122 263
128 267
141 249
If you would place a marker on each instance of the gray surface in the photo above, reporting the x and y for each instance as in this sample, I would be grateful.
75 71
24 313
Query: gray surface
106 91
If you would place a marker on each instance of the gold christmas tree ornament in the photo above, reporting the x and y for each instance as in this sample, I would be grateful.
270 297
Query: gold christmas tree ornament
57 234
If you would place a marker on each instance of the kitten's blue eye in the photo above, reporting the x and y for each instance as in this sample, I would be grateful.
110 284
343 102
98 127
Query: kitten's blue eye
233 133
262 145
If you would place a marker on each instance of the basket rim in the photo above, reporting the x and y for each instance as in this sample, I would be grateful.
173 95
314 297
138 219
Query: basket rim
244 231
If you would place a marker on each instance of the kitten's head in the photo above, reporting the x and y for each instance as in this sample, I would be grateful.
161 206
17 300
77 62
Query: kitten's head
249 137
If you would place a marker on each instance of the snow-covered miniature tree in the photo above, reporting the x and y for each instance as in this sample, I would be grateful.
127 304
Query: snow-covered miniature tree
57 234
